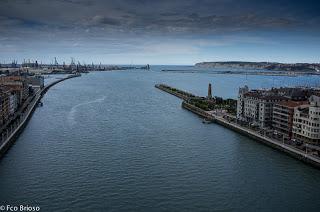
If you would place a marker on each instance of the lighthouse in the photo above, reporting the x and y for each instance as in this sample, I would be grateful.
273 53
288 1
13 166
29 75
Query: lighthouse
209 92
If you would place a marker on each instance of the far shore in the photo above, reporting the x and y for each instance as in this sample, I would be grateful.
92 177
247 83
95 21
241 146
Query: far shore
242 72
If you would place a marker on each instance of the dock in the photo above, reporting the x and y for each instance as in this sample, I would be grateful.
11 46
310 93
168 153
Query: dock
10 135
228 123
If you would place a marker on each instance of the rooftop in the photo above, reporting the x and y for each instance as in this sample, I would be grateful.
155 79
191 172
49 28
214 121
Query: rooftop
283 93
292 104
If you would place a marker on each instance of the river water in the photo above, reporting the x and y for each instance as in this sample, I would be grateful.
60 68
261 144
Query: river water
110 141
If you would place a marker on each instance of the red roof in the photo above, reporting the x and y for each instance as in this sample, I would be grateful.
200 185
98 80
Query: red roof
292 104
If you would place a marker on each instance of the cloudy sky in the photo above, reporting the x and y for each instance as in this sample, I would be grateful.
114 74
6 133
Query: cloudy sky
160 31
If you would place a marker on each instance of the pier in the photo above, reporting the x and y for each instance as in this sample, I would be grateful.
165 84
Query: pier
9 136
228 122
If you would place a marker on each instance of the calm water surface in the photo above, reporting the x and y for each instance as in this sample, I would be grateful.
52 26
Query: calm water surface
110 141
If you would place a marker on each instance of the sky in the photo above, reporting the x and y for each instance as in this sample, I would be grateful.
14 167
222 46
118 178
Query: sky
181 32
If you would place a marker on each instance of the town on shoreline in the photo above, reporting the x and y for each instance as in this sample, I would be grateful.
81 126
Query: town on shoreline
287 119
19 97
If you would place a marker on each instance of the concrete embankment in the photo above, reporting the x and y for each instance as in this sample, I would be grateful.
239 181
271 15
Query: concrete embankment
296 153
11 137
197 111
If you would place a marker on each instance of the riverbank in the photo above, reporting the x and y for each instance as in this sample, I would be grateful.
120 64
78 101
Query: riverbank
13 131
227 122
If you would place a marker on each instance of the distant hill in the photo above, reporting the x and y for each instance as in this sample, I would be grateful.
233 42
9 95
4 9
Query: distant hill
290 67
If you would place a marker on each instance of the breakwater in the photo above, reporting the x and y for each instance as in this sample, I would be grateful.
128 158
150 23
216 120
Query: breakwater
176 92
11 134
275 144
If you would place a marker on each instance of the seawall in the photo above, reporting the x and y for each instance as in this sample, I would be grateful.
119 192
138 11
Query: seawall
295 153
197 111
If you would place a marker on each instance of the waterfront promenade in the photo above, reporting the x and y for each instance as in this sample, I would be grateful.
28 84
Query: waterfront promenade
12 131
225 121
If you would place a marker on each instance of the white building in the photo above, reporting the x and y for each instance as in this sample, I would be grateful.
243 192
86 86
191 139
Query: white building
306 122
256 106
13 103
240 102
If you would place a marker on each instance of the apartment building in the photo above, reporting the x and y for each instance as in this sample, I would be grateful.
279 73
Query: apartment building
256 106
4 104
240 102
306 121
17 84
283 115
36 81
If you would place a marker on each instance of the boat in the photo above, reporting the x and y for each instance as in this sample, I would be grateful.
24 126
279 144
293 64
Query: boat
206 121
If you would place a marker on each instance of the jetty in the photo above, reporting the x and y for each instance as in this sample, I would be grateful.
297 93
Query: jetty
176 92
229 121
9 136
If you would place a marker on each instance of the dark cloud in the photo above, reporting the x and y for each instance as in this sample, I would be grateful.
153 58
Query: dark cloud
76 23
102 20
190 15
